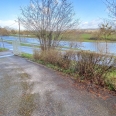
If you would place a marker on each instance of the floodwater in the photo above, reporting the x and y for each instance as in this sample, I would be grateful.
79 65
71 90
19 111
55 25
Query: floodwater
24 49
92 46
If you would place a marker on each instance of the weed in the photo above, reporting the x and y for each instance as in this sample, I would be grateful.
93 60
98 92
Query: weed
26 55
3 49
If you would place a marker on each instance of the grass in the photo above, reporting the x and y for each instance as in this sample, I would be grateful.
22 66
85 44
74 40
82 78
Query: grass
28 56
3 49
86 37
76 36
111 80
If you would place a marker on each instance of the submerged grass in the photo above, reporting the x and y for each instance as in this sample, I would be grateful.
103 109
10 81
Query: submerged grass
23 44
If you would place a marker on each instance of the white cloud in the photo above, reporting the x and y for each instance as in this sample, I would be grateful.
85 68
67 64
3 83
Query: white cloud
10 24
84 25
90 24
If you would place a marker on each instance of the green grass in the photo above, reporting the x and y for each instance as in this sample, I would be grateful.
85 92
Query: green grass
26 55
111 80
112 74
3 49
86 37
83 37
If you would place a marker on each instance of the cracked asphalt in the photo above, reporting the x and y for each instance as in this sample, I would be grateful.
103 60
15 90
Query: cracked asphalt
30 89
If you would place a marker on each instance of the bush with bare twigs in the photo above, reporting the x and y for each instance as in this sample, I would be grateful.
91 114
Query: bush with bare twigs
94 66
90 66
48 56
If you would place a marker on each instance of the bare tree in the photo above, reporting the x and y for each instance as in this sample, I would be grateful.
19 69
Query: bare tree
105 32
111 6
48 19
4 31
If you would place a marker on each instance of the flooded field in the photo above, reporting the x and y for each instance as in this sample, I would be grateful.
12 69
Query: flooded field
92 46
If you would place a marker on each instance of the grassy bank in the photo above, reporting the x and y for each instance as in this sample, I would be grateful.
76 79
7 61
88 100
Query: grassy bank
87 37
83 71
3 49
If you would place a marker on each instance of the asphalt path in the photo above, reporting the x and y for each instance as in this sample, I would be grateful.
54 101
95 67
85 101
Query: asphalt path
30 89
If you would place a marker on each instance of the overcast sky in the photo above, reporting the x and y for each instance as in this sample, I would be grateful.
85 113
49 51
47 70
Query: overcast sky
90 12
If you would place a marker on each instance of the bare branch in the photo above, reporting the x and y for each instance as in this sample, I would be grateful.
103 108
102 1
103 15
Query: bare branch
48 19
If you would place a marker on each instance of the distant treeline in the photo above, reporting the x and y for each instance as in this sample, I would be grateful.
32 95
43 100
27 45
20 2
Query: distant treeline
7 32
70 35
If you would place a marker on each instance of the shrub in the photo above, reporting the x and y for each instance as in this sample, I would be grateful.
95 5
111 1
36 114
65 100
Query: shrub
111 80
86 65
68 56
48 56
94 66
36 54
55 57
111 84
26 55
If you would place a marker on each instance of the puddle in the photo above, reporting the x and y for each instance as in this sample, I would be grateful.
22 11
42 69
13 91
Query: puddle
3 56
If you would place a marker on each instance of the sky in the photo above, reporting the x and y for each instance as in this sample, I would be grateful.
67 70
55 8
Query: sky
90 12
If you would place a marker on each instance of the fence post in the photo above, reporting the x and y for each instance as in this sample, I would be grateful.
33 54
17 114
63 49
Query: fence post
16 47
